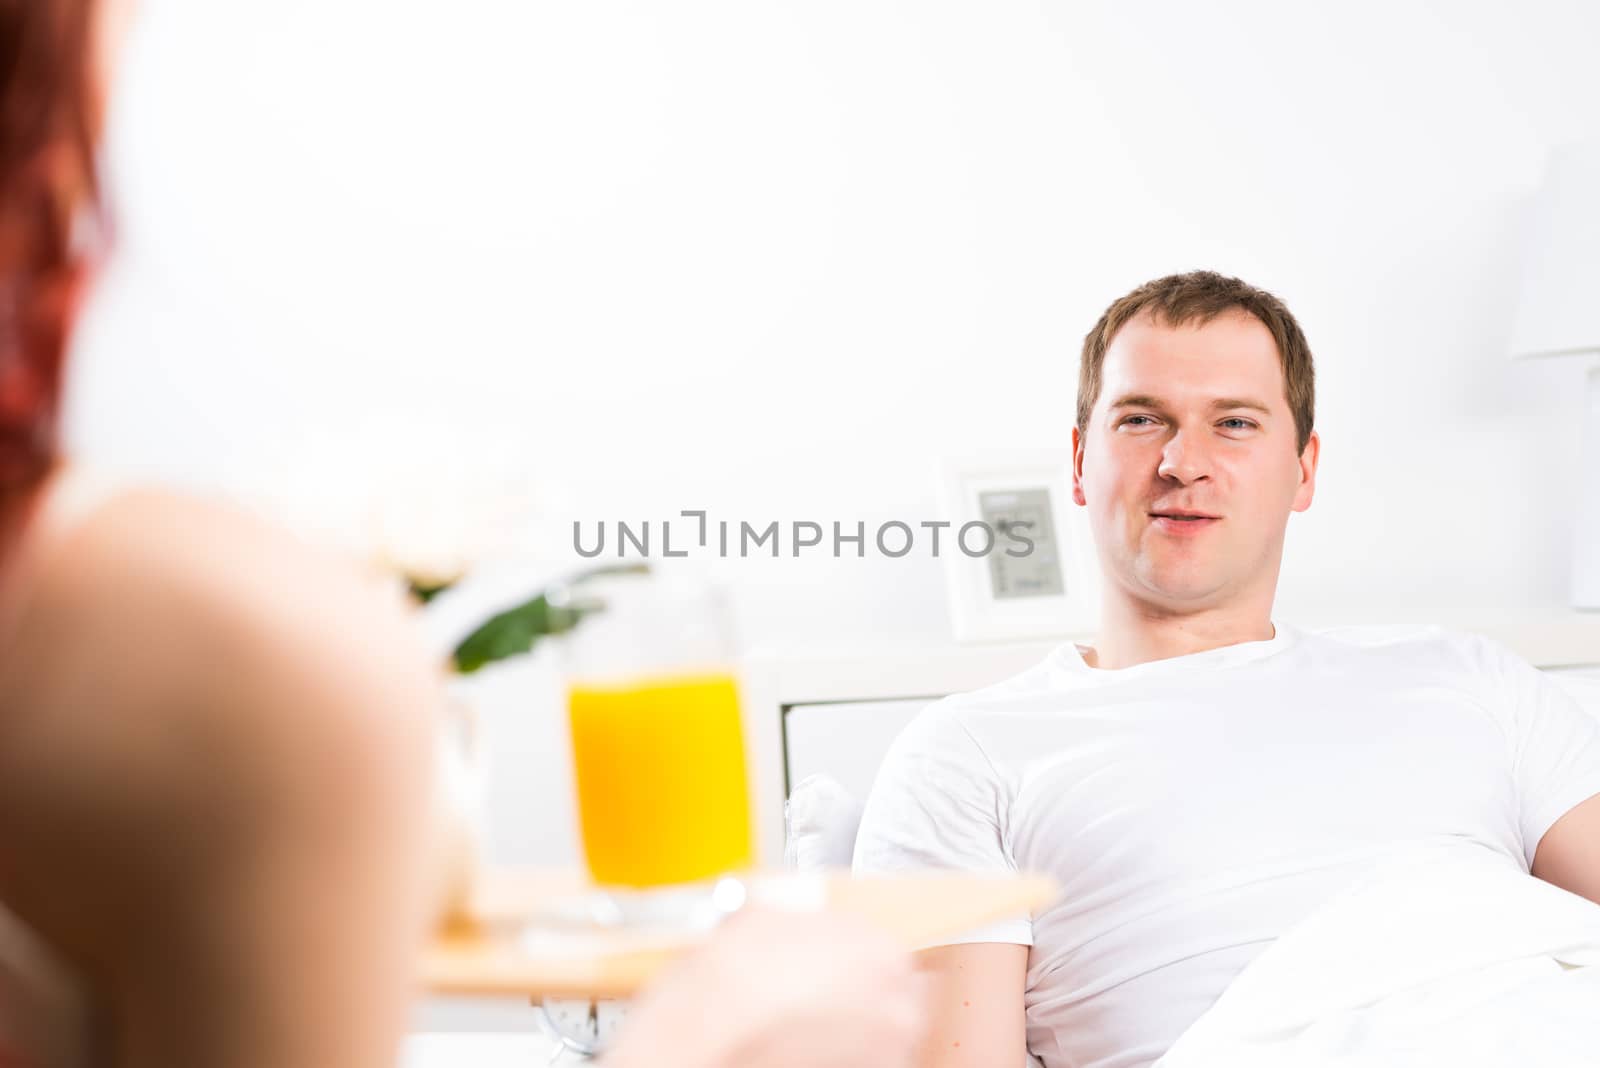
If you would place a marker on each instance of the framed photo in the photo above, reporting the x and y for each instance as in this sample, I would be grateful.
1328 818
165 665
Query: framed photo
1037 579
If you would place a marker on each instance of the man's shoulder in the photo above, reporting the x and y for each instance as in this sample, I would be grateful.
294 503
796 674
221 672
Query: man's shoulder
1411 637
1045 678
1416 649
956 722
1380 635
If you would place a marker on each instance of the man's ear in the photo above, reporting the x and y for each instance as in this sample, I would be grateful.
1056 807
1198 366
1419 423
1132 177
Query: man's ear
1308 473
1077 467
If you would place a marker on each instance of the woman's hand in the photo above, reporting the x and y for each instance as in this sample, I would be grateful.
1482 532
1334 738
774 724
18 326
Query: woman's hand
781 990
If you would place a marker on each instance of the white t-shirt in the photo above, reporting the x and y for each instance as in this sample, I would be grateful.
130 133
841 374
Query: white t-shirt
1195 808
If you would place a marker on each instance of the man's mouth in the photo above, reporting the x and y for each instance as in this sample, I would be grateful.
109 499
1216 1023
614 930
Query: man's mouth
1182 521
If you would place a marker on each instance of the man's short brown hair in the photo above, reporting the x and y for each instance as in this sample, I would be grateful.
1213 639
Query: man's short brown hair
1199 297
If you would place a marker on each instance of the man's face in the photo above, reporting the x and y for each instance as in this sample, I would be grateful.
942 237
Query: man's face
1188 465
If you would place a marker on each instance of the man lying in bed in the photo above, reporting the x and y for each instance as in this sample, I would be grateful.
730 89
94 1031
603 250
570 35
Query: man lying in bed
1203 777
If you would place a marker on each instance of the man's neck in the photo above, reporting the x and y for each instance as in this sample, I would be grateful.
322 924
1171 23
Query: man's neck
1138 633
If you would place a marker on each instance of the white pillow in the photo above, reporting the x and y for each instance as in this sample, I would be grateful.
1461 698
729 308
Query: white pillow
820 820
1583 684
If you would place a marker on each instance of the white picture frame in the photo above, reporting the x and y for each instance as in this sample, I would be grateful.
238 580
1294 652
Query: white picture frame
986 603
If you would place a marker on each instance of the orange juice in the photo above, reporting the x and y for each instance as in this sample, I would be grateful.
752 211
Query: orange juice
662 796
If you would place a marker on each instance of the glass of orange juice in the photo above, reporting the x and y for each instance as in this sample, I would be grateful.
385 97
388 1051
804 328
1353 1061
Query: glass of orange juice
657 740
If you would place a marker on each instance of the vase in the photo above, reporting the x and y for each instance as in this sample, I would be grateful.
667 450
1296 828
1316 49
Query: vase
462 794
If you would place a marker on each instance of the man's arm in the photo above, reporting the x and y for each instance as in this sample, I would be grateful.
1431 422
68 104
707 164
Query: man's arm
1569 853
975 1006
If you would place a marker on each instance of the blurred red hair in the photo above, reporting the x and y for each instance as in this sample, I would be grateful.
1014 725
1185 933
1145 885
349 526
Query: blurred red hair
48 124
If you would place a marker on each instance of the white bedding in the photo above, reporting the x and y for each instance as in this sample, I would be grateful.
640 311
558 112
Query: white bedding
482 1050
1454 956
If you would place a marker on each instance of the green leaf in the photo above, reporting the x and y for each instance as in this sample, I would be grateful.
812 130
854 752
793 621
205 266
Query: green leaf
425 591
517 630
511 633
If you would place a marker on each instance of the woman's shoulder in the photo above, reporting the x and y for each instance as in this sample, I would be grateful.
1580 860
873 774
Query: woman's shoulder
201 587
202 554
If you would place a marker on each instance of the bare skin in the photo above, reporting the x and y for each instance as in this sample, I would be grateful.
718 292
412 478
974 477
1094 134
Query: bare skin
215 758
1195 419
976 992
781 990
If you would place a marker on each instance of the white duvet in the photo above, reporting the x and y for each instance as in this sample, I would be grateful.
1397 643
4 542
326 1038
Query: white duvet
1451 957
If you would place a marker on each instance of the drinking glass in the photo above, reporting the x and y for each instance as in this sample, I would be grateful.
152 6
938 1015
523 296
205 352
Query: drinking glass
657 741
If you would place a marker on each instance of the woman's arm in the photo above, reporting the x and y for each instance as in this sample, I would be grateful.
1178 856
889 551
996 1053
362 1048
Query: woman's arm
781 990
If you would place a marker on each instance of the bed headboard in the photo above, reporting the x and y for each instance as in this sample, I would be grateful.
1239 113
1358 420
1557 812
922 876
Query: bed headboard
838 713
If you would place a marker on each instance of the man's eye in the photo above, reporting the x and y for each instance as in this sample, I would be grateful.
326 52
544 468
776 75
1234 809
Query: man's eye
1130 420
1238 424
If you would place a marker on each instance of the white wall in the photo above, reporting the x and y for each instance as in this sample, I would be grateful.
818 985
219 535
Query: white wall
773 259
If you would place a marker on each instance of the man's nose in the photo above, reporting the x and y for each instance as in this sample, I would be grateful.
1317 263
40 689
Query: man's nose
1184 459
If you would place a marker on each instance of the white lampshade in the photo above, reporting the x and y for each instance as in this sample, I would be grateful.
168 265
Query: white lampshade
1559 315
1559 310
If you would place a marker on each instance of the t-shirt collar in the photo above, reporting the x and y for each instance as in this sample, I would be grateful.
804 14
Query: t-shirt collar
1069 657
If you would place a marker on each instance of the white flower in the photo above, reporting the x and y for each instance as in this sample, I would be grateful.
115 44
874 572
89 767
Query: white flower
407 503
